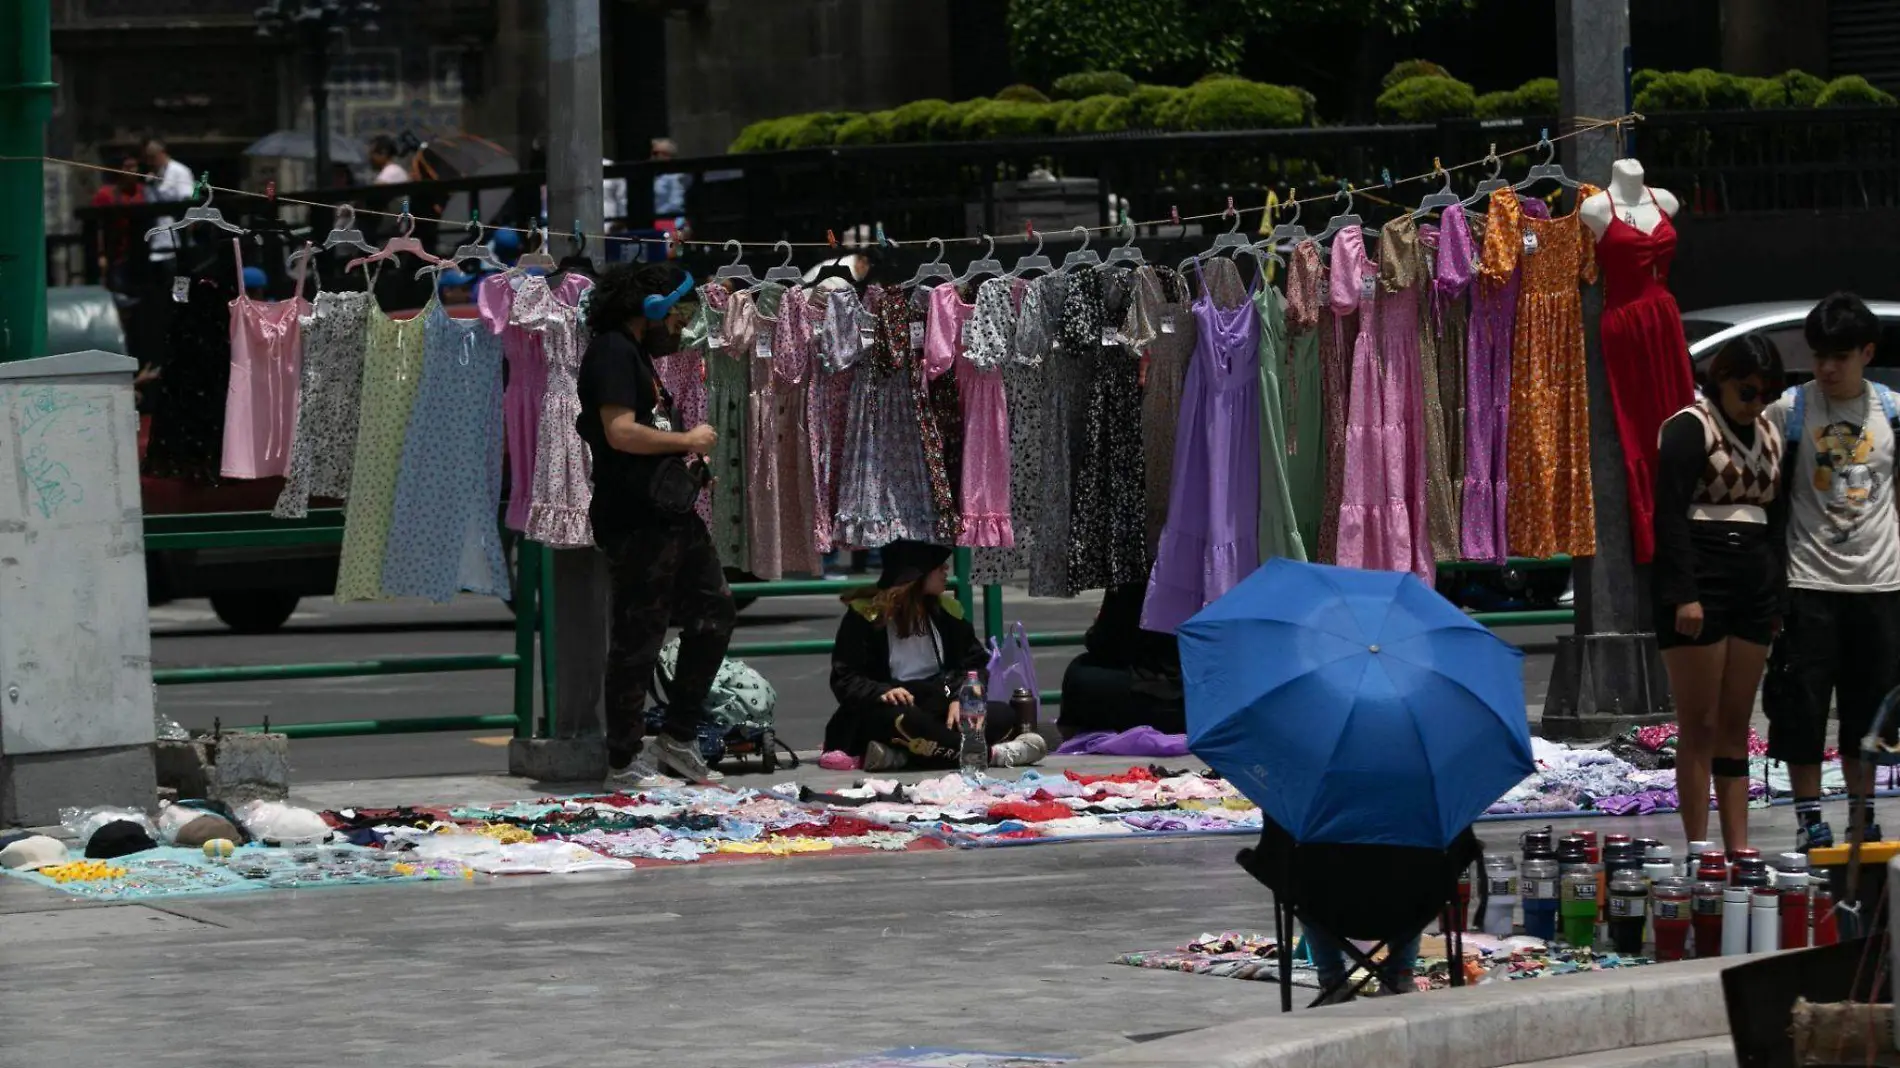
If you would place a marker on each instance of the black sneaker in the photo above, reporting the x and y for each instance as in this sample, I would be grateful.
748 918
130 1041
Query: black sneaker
683 759
1814 836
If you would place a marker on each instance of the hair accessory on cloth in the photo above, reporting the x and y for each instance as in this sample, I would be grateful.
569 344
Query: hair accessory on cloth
657 306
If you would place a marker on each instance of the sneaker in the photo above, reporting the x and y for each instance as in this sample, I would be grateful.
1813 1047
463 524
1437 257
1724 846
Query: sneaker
1813 836
638 772
881 757
682 758
1870 834
1019 752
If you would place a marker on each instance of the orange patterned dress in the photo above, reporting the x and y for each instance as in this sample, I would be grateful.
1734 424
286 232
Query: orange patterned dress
1551 508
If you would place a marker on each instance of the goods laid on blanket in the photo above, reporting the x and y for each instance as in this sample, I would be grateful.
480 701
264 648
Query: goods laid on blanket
1488 959
1633 776
1627 893
201 847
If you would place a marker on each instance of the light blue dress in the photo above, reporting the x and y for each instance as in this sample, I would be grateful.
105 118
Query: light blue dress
445 530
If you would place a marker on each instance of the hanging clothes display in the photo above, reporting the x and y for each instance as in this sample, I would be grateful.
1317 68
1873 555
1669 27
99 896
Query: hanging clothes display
562 487
1210 541
1375 522
727 384
443 538
1451 259
766 327
523 347
1552 509
260 408
1109 544
335 335
940 424
1029 331
1645 356
1404 292
1339 325
1302 397
846 332
187 402
1162 294
1493 335
683 373
1062 385
392 370
990 338
884 486
801 312
1279 525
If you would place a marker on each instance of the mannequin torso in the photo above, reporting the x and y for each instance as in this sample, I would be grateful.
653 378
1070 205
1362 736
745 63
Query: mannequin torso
1627 198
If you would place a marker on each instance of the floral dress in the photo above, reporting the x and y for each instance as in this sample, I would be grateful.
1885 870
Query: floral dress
443 537
563 480
846 333
1109 544
930 424
1062 407
323 436
683 373
884 486
1028 325
392 371
986 456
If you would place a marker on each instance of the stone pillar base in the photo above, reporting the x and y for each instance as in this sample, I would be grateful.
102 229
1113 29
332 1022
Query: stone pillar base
558 760
1604 684
35 786
249 767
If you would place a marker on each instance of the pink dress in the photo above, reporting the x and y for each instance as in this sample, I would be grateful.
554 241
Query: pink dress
527 380
260 405
562 487
985 496
684 376
771 329
1375 526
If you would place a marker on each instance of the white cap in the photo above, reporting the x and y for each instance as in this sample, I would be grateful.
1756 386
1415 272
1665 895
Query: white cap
32 854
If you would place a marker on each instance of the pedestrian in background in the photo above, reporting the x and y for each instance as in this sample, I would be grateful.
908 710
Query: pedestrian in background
1841 636
663 565
1720 574
169 180
382 159
115 233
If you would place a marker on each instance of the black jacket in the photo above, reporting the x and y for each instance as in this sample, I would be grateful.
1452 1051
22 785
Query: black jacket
861 661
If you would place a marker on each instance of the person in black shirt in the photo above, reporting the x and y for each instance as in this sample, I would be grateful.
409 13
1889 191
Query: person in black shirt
662 562
1719 574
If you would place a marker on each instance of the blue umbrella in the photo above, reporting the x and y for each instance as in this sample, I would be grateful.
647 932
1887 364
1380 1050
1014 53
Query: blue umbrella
1355 706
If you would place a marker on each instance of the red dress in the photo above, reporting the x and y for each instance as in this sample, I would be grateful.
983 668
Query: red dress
1644 353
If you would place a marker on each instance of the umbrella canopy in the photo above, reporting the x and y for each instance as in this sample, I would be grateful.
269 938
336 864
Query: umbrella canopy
1355 706
299 144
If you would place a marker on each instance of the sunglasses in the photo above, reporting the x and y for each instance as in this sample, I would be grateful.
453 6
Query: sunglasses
1750 394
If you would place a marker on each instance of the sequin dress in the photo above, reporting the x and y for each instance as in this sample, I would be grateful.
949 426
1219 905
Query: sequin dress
1302 396
443 538
187 401
884 487
1062 384
563 486
392 371
1552 508
1165 307
1109 546
323 437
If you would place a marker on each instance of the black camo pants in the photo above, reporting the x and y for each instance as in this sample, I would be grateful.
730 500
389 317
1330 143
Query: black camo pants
663 576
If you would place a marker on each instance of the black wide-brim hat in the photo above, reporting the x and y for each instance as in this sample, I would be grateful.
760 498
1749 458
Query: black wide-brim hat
906 561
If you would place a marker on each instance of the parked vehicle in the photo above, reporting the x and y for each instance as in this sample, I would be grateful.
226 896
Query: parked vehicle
1781 322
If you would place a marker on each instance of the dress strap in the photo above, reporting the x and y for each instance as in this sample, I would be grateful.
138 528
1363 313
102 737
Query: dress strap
237 264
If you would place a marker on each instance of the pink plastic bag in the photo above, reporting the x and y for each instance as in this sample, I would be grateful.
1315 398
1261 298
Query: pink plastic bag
1012 667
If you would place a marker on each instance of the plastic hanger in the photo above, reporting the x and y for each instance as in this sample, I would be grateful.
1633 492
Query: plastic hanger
401 243
538 258
1491 183
199 213
735 270
1035 261
1128 254
1082 257
474 250
1443 198
1292 230
344 232
305 259
1547 169
1344 218
578 259
987 264
933 268
1230 238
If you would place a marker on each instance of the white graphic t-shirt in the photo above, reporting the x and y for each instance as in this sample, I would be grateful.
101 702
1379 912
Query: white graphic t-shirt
1843 530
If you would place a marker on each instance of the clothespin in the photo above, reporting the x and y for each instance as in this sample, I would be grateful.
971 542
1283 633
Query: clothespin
1266 217
1029 228
880 235
831 238
1174 215
1385 175
405 205
204 183
1437 167
1230 208
1543 134
270 190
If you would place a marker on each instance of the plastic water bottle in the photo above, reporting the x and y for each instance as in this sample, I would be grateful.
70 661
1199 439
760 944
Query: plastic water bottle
973 754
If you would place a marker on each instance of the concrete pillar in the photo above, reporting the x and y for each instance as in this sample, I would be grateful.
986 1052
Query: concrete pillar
1607 675
26 102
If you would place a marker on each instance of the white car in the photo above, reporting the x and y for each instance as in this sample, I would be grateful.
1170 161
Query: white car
1781 322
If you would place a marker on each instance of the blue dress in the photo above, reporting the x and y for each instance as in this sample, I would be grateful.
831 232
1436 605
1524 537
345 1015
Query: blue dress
445 530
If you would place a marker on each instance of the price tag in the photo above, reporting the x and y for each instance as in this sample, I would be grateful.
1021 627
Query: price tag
867 335
181 288
1167 324
1530 241
1110 335
963 333
762 347
1368 288
916 335
715 339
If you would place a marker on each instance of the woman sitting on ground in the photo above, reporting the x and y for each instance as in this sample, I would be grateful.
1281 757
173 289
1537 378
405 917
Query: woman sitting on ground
902 650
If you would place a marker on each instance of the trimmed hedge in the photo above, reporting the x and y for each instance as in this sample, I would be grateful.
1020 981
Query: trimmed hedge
1149 105
1092 83
1852 91
1236 104
1673 91
1427 99
1406 69
947 124
1027 94
1793 89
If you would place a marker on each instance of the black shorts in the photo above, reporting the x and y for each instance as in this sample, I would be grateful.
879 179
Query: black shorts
1735 576
1839 647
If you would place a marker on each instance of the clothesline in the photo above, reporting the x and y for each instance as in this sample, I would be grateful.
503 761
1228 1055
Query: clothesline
1581 125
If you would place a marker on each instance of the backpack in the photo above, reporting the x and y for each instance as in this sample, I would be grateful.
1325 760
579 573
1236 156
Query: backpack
1794 432
739 710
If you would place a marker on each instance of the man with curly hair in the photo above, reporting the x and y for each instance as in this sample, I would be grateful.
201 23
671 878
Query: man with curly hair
664 568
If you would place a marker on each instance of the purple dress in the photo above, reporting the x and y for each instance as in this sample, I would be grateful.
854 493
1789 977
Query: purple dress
1488 404
1211 539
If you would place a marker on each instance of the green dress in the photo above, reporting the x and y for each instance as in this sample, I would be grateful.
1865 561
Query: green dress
727 388
1279 528
392 369
1301 396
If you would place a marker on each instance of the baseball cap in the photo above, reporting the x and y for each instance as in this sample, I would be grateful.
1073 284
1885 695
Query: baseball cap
205 828
118 839
33 853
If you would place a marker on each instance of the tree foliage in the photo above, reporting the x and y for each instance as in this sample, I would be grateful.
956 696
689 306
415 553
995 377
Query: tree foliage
1178 40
